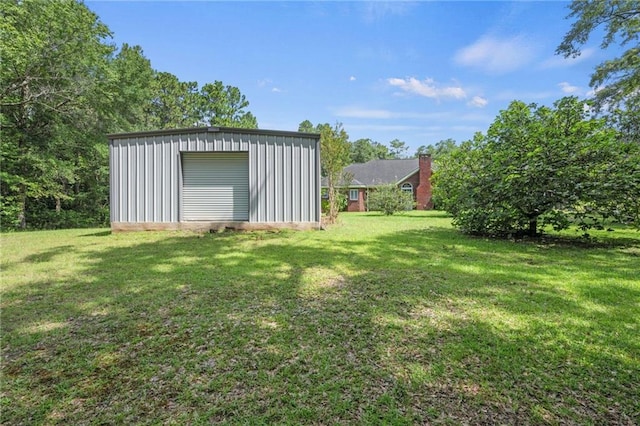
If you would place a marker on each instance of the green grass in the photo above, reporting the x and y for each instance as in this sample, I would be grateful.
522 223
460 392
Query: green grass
382 320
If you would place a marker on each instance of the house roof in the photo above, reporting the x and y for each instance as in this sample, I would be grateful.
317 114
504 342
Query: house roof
381 172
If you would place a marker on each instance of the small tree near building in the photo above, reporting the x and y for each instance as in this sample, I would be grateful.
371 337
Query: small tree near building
334 157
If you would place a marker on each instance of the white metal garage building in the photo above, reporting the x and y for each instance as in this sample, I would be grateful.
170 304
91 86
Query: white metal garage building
214 177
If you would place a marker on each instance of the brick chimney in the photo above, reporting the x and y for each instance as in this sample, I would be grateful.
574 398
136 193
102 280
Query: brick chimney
423 191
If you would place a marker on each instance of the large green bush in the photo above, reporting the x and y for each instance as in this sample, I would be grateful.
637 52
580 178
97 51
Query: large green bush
541 166
390 199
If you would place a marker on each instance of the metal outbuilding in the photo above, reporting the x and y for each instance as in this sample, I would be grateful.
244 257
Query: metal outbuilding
214 177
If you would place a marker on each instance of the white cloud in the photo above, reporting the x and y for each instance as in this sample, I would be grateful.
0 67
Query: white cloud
568 88
352 78
496 55
276 90
559 61
427 88
478 101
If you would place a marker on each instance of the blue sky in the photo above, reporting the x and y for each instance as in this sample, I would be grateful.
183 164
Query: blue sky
416 71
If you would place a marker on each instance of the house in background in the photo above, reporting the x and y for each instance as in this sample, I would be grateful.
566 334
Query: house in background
411 175
213 178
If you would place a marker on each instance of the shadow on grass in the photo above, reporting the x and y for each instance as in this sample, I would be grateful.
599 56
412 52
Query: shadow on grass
97 234
410 214
407 327
48 255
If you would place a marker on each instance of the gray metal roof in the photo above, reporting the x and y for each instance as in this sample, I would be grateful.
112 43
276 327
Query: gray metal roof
211 129
381 172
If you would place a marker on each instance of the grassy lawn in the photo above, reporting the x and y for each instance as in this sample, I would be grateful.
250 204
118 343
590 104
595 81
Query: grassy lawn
383 320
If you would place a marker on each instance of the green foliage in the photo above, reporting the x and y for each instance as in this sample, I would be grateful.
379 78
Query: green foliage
334 157
307 127
173 103
130 91
62 88
43 215
616 80
442 148
177 104
398 149
626 120
342 200
56 75
389 199
222 105
539 163
364 150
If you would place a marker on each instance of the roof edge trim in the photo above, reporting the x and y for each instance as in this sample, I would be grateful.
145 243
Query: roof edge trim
408 176
211 129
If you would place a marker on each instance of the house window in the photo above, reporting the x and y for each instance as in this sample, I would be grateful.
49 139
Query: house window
407 187
353 195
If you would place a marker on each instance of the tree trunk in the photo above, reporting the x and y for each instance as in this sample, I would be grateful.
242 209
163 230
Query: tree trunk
533 227
58 205
22 215
332 205
331 214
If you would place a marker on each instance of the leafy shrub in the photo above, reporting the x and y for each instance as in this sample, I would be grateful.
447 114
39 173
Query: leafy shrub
495 222
390 199
341 200
50 219
537 167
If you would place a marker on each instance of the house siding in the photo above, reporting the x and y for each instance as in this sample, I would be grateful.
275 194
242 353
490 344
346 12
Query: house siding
358 205
423 191
420 180
414 180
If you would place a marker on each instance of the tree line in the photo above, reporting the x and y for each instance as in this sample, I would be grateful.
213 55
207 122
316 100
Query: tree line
63 87
366 149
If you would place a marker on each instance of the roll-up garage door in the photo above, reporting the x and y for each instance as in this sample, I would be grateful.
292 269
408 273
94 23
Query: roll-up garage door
215 186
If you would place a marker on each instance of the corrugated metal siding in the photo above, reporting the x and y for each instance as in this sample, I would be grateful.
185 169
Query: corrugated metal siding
142 175
285 174
215 186
147 175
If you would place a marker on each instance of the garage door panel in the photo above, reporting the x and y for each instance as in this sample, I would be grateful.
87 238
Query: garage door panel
215 186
